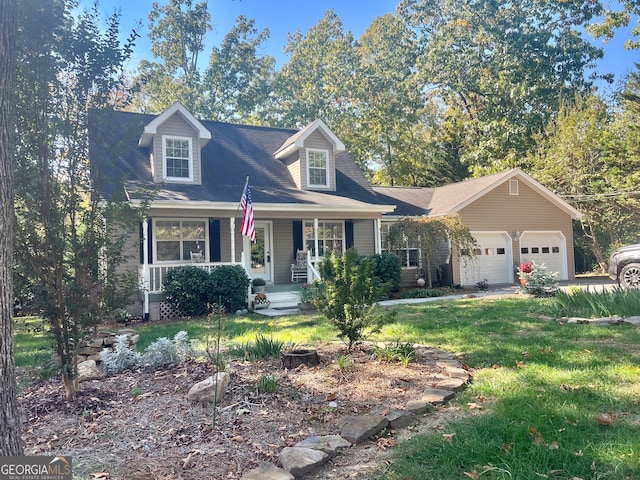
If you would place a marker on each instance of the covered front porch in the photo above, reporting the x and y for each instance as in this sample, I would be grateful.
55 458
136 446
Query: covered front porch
286 254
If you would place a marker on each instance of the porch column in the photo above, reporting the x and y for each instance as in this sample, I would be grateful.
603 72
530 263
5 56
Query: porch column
232 226
145 267
377 236
315 237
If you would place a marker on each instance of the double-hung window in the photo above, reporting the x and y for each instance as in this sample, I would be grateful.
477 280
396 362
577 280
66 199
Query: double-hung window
330 237
318 168
176 239
409 254
178 158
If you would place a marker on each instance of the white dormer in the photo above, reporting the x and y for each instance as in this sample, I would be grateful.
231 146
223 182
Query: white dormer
310 156
176 138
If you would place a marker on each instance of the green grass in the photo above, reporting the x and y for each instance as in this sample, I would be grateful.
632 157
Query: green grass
33 343
540 384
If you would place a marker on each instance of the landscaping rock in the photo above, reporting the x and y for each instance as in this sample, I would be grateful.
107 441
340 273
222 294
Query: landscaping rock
88 370
400 419
454 384
328 444
418 407
632 320
457 372
358 429
210 389
435 396
267 471
300 461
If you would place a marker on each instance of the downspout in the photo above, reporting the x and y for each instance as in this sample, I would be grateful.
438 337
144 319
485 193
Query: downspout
145 268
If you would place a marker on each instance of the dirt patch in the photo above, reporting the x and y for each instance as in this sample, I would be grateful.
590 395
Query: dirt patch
140 425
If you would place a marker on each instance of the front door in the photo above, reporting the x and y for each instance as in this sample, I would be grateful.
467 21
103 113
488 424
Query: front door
261 252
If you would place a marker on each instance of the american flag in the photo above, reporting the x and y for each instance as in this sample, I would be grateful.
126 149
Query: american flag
248 228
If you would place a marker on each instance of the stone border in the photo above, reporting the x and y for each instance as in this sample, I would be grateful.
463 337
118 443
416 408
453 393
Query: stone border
635 320
313 452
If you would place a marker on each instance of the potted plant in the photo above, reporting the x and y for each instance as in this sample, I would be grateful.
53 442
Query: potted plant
260 301
258 285
524 269
308 293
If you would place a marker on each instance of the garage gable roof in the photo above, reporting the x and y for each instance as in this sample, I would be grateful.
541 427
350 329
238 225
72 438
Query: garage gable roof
450 199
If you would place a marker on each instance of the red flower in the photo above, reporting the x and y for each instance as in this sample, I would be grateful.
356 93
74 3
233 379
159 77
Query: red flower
525 267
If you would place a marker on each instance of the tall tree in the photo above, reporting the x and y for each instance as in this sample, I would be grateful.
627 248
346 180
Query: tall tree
176 31
237 82
397 135
10 439
584 157
318 79
68 65
502 67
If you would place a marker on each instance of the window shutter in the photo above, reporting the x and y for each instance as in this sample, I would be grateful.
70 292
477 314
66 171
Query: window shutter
214 240
298 243
348 234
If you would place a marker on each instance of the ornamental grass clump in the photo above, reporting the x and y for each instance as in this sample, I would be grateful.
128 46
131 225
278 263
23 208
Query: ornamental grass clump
536 280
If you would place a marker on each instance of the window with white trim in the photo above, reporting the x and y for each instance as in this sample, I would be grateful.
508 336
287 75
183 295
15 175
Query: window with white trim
176 239
317 168
330 237
177 158
409 254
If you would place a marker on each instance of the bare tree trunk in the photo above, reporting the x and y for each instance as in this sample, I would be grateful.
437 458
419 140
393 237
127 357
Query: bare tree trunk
10 439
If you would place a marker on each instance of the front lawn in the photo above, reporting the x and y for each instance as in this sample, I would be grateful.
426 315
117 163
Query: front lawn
547 400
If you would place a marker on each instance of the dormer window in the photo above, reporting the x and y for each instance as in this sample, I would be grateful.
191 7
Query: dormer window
318 168
177 158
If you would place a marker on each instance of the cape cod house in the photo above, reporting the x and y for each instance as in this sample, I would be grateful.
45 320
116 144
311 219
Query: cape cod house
308 194
308 197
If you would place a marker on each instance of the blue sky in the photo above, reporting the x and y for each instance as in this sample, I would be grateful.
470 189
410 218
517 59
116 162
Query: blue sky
286 16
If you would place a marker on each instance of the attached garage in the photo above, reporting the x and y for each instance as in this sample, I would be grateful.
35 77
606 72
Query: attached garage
493 260
549 248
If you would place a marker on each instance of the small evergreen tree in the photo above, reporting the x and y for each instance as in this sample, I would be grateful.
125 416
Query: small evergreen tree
349 300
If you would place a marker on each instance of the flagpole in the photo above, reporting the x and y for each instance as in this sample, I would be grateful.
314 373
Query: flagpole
244 191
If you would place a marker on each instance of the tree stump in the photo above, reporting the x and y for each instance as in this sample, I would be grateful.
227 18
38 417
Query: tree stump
295 358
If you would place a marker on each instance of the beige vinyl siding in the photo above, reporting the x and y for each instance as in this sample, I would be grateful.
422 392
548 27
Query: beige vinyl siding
282 250
293 165
178 127
317 141
499 211
363 237
225 240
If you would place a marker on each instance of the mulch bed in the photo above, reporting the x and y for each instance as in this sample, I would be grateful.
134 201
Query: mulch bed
140 424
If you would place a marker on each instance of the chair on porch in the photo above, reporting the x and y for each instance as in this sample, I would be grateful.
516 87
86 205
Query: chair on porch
299 268
197 257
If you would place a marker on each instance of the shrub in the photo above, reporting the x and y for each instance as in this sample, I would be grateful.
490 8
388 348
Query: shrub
188 289
423 293
160 353
262 348
230 282
352 291
121 358
388 270
538 282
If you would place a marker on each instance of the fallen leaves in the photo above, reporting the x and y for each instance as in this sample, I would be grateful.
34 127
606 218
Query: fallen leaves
606 419
448 437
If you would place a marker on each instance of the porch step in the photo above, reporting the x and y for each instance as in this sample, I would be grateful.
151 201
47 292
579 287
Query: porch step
282 300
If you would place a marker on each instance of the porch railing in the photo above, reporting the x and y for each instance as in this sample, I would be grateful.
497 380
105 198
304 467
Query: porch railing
157 273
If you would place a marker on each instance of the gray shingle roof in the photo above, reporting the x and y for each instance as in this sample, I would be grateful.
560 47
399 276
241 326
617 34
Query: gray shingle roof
120 166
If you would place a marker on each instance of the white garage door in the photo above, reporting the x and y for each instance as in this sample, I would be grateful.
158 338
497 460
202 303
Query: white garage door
545 247
493 260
